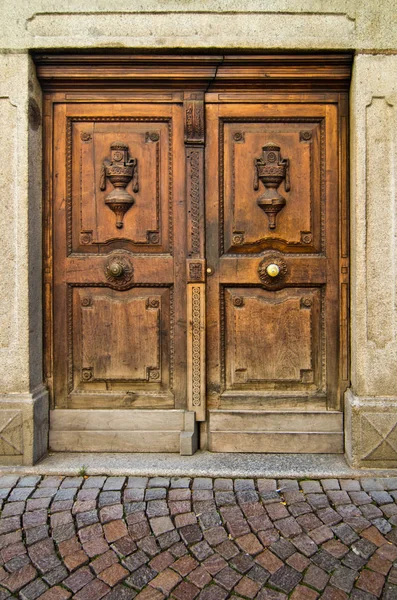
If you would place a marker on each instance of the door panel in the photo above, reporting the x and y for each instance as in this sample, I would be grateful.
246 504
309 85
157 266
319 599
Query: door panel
287 349
272 199
119 240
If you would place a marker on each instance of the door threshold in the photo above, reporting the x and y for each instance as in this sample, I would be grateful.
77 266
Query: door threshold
201 464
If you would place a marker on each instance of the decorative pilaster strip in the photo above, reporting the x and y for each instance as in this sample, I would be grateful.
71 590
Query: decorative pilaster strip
196 350
195 264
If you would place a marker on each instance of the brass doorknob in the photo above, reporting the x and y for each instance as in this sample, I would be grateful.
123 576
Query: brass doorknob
272 270
116 269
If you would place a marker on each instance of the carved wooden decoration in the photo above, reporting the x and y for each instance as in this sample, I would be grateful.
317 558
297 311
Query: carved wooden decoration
271 170
194 151
120 170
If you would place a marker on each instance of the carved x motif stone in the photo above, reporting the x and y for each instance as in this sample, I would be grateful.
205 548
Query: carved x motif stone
379 436
11 432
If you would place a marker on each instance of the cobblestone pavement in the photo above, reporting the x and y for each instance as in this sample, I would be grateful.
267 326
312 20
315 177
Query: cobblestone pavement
120 538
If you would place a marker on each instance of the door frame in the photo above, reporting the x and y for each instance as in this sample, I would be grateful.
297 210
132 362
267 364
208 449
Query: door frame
85 77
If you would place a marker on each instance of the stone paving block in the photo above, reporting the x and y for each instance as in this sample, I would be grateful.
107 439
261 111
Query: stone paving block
268 594
368 484
225 485
55 576
287 484
56 593
200 577
242 562
141 577
162 482
343 578
124 546
214 564
316 577
16 581
96 546
298 562
108 498
149 545
156 493
285 579
185 519
283 548
168 539
353 561
379 564
134 495
269 561
185 591
201 550
121 592
159 508
180 482
166 581
213 592
137 482
33 590
19 494
325 561
330 484
179 494
93 591
382 525
17 563
313 487
227 578
302 592
345 533
202 495
113 483
371 582
247 587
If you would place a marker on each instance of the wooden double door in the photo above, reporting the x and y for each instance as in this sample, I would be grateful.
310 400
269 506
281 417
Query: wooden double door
197 268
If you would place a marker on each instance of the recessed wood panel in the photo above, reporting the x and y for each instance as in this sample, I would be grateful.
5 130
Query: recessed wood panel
146 223
120 339
246 226
272 338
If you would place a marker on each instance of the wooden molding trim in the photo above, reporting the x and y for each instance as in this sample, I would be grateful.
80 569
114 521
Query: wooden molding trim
61 72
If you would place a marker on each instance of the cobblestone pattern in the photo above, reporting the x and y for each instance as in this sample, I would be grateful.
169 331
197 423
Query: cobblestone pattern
120 538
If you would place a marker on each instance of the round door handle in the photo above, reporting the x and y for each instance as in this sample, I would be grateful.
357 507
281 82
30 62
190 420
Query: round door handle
272 270
116 269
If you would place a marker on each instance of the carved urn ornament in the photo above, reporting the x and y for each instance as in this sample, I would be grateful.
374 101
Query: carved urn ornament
271 170
120 170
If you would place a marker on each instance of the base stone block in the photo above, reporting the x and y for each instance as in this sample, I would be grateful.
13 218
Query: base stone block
371 431
23 427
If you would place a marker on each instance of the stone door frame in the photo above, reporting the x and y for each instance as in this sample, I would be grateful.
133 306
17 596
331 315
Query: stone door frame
371 401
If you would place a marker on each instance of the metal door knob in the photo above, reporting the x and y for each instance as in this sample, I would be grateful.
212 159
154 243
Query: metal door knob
116 269
272 270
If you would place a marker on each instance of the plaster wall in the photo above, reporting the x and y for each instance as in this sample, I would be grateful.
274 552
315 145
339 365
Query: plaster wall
366 28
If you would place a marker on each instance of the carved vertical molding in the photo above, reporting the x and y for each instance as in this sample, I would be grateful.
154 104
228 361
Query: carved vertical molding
380 225
196 350
195 264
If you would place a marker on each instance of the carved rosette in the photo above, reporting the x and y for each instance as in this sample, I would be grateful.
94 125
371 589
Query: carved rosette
119 272
271 170
120 170
268 282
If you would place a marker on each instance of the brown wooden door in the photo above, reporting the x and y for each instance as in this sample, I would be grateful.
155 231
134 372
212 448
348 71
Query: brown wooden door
196 252
119 243
273 295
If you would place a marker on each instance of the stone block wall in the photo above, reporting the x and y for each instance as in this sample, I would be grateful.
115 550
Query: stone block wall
365 28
